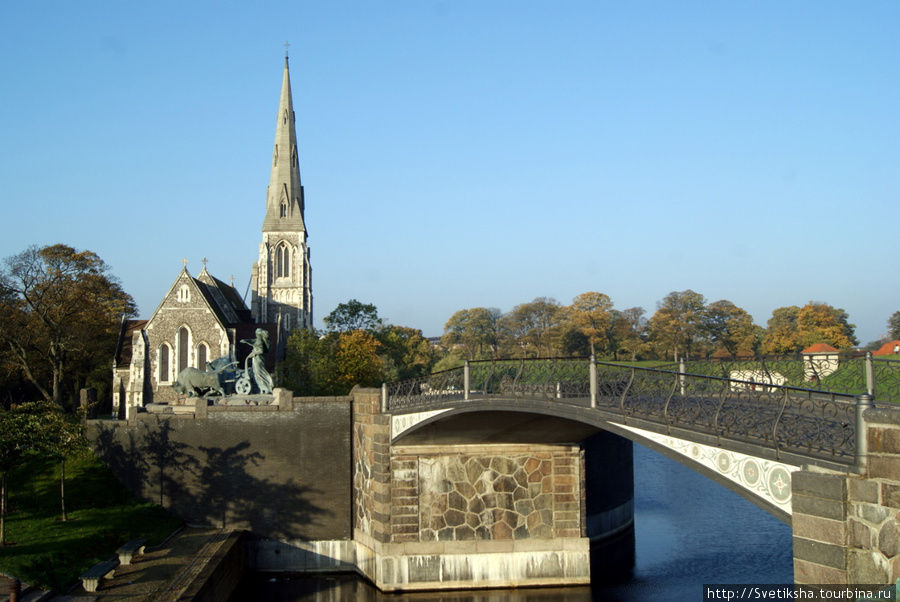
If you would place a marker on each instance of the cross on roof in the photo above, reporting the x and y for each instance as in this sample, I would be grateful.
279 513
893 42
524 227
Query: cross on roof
203 261
286 44
184 262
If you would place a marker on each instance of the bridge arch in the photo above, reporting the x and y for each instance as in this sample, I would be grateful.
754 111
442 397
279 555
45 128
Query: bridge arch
762 481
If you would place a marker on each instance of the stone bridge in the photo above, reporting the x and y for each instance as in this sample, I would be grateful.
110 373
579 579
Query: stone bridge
823 461
509 473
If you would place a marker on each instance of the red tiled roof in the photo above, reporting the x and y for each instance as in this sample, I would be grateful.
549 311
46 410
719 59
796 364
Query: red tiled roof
820 348
887 348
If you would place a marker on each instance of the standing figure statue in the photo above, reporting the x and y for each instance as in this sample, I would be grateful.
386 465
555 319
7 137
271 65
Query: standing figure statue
260 346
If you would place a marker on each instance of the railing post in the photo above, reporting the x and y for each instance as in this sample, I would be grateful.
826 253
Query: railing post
593 367
467 374
682 370
384 398
870 375
863 403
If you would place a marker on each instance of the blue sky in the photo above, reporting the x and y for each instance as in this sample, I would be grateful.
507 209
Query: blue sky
463 154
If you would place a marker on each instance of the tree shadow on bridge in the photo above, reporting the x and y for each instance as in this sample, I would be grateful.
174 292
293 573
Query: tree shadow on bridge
225 487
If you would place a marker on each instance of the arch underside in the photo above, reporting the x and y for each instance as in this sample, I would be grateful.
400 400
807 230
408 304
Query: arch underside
758 477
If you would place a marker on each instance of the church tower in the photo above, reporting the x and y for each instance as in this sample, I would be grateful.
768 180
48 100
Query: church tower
282 291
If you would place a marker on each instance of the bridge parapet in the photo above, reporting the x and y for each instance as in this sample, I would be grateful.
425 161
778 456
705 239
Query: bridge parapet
819 425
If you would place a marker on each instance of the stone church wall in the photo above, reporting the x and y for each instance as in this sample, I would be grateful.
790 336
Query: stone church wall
163 328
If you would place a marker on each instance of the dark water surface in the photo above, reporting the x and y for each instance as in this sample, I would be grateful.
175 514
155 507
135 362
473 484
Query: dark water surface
688 531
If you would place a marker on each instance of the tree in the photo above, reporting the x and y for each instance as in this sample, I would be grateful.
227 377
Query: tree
629 331
678 323
893 326
15 444
592 314
822 323
475 329
405 352
534 325
730 327
353 315
59 309
782 335
793 328
358 362
55 436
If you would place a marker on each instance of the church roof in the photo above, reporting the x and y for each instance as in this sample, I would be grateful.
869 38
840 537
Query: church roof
124 346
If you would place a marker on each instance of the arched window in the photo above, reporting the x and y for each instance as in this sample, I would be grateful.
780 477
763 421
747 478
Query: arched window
184 294
183 350
163 364
202 355
283 261
283 209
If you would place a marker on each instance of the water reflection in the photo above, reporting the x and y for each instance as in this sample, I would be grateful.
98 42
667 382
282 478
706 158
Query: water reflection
688 531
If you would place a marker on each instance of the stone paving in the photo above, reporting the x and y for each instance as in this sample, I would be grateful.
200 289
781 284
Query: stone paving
160 574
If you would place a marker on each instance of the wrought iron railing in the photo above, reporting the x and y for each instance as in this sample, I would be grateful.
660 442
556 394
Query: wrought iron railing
852 374
758 410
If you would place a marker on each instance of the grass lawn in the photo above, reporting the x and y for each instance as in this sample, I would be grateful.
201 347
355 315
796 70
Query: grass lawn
102 516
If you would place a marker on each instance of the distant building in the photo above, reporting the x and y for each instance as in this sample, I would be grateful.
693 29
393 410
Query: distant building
819 361
202 318
889 348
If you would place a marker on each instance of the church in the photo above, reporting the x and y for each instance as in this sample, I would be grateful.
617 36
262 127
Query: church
202 318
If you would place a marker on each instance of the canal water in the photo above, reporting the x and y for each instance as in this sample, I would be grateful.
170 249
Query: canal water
689 531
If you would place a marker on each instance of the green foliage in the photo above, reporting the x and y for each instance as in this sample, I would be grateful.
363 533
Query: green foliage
51 553
893 326
352 315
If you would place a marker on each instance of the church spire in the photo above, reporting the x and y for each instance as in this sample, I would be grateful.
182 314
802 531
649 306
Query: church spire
281 279
284 199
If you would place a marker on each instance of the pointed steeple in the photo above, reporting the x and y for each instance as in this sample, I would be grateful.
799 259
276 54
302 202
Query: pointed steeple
284 199
282 277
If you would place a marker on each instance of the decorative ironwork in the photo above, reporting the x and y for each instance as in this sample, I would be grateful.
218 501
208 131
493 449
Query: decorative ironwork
886 378
760 409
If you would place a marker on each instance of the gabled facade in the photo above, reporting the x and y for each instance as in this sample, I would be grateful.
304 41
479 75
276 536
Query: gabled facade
199 320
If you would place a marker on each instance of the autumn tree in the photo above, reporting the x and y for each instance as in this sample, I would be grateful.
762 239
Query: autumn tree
476 330
730 328
59 315
358 362
591 314
678 323
791 329
782 335
822 323
534 326
629 331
